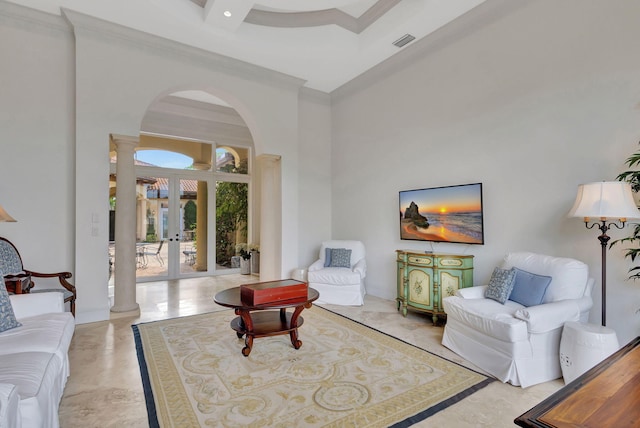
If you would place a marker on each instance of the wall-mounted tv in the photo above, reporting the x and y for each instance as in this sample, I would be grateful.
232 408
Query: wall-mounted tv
443 214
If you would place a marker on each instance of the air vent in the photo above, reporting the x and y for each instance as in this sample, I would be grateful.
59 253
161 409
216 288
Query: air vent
407 38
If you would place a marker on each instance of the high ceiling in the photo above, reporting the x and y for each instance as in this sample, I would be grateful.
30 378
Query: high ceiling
325 42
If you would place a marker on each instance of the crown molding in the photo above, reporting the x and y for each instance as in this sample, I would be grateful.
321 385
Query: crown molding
314 95
31 19
99 29
318 18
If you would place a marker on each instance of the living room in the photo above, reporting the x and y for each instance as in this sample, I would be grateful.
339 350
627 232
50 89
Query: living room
529 98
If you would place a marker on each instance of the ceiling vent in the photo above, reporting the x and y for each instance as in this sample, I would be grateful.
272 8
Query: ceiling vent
407 38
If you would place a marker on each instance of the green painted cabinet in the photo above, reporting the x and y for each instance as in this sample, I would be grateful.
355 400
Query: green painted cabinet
424 279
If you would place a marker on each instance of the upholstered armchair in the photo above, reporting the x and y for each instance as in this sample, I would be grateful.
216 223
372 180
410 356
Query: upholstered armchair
339 273
514 332
19 280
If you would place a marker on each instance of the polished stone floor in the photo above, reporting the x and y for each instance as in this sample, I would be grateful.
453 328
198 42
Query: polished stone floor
105 390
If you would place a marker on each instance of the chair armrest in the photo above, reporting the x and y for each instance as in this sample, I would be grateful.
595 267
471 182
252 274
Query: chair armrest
62 277
476 292
361 268
549 316
317 265
28 305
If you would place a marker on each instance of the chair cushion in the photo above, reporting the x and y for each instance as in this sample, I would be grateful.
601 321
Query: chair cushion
340 257
488 316
50 332
334 276
500 285
327 257
568 276
10 262
29 372
7 316
529 288
357 249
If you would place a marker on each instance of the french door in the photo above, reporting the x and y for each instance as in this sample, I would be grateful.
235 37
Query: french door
173 231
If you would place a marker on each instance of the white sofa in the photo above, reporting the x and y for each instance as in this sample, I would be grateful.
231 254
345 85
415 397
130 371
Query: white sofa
34 363
512 342
340 285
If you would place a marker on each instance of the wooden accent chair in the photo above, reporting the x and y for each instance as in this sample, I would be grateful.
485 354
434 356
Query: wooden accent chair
19 280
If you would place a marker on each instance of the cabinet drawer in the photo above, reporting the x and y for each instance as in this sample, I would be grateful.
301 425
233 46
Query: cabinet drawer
424 261
455 263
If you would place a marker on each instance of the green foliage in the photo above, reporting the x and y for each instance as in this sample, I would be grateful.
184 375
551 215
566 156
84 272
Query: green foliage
190 215
232 206
151 237
632 176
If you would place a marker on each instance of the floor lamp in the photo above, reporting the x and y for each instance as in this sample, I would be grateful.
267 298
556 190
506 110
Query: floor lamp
611 203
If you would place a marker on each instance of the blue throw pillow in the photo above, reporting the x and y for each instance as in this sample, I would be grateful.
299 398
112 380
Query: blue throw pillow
529 288
340 257
7 317
327 257
500 284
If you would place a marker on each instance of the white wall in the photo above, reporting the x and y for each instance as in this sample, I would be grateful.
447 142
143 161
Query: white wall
36 139
531 104
314 184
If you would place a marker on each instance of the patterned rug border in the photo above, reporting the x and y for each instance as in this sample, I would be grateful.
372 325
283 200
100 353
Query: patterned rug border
150 400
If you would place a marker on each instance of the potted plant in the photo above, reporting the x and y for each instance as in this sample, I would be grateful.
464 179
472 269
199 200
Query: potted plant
245 259
254 250
632 176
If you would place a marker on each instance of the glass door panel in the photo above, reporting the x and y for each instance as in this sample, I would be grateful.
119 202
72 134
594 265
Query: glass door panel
152 230
231 223
193 228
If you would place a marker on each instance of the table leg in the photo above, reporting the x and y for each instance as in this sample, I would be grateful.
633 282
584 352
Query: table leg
247 324
294 325
248 344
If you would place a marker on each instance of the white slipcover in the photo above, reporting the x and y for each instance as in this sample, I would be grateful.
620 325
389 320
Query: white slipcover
35 358
336 285
9 406
514 343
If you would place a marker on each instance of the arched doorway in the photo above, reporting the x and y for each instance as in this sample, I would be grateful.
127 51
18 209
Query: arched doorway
191 219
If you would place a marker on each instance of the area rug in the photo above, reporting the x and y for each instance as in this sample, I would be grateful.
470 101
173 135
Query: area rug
345 375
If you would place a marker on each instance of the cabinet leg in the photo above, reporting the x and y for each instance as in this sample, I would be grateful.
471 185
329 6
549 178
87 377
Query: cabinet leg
404 311
434 318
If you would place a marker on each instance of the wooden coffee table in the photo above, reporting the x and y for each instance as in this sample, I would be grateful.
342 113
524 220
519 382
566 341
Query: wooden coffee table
267 319
605 396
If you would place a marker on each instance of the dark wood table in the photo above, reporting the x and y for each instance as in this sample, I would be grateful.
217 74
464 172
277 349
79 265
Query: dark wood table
607 395
267 319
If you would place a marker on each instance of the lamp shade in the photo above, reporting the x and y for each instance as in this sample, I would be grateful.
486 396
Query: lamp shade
605 200
4 216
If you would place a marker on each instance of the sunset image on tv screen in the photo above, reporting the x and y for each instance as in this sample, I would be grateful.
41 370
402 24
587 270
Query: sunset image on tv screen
443 214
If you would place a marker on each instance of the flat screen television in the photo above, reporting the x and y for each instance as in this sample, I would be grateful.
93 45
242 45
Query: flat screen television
443 214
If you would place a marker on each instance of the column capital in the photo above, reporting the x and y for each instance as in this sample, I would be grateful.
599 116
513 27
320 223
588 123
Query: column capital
268 158
124 141
201 166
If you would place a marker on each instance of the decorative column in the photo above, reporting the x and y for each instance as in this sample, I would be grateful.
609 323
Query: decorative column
202 224
270 217
125 245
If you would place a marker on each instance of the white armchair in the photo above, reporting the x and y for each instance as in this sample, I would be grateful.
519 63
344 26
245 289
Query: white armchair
339 283
513 342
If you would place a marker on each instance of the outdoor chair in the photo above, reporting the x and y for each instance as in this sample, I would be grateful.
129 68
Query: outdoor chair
151 252
19 280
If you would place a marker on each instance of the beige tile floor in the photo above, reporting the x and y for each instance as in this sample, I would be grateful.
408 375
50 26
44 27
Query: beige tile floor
104 389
